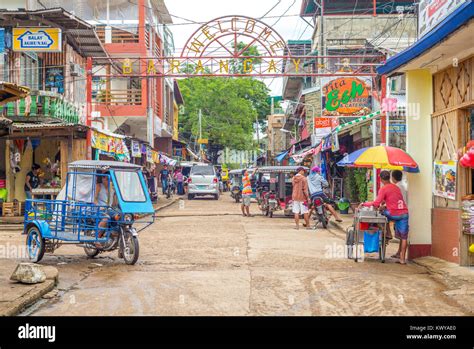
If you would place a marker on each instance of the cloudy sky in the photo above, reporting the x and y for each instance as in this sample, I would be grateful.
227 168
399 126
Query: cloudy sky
291 27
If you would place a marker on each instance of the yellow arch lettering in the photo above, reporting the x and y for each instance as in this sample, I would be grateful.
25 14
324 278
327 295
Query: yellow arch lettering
248 66
175 65
249 27
206 32
297 64
199 67
127 66
151 67
196 46
224 66
272 67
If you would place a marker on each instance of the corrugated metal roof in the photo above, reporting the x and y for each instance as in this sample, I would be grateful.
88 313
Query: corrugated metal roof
81 34
31 125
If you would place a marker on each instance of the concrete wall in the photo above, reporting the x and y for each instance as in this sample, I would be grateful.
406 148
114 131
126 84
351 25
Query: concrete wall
420 95
385 30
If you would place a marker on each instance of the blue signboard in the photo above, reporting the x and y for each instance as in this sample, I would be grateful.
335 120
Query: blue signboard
398 128
2 40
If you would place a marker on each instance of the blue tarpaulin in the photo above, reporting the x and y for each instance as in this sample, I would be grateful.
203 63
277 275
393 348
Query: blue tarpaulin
281 156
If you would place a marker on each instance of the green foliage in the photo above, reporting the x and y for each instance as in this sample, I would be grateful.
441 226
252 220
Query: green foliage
361 182
237 66
229 108
351 185
356 184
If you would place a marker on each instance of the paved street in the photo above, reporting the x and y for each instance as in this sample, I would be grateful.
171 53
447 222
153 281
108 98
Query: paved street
205 259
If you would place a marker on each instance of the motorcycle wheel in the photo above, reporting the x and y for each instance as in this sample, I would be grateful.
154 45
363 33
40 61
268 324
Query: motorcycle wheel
271 214
91 251
237 199
325 223
131 249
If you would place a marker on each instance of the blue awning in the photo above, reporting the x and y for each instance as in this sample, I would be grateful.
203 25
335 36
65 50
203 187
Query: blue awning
449 25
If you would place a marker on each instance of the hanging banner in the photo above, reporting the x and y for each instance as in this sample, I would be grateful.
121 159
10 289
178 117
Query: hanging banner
2 40
37 39
432 12
109 144
136 151
346 96
444 179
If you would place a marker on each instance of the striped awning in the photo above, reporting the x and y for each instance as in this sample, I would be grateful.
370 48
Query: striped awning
357 121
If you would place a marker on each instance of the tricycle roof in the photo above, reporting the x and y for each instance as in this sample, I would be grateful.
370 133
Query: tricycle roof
234 172
280 169
102 165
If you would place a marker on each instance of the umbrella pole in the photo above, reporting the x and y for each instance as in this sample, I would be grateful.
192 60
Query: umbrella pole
374 170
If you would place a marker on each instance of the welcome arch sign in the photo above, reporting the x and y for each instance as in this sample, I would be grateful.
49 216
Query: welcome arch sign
235 46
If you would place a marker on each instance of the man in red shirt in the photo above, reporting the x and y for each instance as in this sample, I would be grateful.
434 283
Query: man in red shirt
396 211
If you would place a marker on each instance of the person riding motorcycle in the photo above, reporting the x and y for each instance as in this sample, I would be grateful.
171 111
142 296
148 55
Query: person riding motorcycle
316 185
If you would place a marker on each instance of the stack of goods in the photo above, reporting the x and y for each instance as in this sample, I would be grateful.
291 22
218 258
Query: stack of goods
468 215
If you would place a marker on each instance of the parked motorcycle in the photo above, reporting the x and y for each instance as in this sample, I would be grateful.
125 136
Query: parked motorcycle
320 212
272 203
236 193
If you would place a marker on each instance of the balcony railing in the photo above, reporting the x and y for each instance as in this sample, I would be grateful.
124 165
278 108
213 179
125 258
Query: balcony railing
118 36
42 105
118 97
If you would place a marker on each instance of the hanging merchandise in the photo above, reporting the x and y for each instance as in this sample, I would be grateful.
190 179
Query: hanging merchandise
15 158
136 151
111 144
467 160
149 155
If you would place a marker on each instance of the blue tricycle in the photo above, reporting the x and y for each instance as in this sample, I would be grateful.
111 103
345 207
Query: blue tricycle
99 209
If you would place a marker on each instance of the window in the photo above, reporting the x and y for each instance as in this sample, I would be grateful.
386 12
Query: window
130 186
203 171
29 70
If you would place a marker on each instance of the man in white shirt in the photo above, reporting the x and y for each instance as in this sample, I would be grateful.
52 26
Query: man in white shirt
397 179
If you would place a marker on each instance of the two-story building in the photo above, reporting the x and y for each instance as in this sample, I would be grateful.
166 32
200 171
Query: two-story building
45 51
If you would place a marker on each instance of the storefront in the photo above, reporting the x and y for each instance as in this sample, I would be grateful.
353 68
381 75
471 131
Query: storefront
51 146
439 71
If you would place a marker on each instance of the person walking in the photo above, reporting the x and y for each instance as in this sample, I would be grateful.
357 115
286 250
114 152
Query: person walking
300 197
179 178
164 178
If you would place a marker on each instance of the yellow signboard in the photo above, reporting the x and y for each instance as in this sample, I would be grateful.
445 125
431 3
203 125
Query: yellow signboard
37 39
203 141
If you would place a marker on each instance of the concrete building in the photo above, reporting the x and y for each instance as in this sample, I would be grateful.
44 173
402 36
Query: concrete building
439 75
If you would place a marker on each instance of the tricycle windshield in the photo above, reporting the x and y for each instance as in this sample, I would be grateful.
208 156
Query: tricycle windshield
130 186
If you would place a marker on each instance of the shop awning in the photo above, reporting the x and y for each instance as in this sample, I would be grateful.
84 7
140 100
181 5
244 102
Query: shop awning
459 17
192 153
10 92
81 35
357 121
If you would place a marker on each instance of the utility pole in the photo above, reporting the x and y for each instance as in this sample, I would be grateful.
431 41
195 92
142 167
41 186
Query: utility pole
200 133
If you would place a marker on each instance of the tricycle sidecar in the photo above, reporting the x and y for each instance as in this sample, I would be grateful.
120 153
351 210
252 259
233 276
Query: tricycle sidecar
98 209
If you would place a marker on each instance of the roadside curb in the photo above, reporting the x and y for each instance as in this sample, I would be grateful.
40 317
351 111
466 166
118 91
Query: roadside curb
457 279
12 308
167 204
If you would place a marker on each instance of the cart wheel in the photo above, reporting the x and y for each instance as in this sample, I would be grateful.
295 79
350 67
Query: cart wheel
35 244
91 251
131 249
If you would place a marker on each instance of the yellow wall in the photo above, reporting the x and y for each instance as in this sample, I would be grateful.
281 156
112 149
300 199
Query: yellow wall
175 121
420 101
